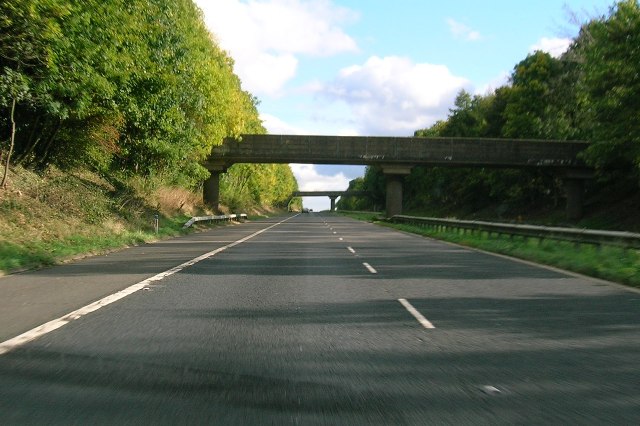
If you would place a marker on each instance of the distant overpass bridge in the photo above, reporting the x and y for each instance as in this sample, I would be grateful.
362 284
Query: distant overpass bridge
398 155
333 195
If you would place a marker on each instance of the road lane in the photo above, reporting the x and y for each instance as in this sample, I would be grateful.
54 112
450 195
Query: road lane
145 284
32 298
290 328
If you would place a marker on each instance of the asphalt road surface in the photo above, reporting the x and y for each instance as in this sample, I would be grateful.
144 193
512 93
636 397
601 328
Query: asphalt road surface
316 319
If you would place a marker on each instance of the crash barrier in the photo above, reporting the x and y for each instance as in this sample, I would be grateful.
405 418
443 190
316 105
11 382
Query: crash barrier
220 218
578 236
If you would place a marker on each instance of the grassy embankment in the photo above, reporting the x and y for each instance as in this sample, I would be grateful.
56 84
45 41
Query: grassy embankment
51 218
609 263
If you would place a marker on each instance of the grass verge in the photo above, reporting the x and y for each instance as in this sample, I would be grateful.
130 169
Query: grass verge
46 252
606 262
55 216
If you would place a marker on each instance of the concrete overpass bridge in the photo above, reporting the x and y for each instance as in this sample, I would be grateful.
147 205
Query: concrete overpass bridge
398 155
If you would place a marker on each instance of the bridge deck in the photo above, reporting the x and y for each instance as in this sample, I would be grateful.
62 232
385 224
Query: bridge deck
360 150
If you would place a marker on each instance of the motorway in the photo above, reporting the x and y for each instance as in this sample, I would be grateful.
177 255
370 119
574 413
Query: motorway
316 319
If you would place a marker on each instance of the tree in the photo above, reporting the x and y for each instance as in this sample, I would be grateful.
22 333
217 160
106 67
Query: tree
27 31
610 76
124 87
532 106
465 119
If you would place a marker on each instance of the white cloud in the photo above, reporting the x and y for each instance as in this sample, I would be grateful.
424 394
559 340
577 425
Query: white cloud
310 180
393 95
265 73
501 80
265 36
462 32
276 126
553 46
301 27
348 132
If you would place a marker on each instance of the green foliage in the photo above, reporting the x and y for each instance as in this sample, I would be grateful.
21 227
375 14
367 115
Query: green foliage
464 120
355 203
592 92
136 87
373 182
246 185
606 262
610 77
469 190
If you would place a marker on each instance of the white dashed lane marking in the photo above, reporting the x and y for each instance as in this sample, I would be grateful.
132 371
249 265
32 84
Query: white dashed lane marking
417 315
370 268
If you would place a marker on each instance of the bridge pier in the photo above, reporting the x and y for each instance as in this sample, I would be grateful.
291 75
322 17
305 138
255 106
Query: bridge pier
211 190
394 179
333 203
573 180
574 189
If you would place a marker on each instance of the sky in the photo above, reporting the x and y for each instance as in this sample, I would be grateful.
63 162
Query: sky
379 67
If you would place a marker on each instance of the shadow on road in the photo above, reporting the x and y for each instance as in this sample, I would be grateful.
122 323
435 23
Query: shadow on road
271 370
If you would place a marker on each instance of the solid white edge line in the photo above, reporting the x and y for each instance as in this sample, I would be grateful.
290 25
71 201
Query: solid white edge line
417 315
41 330
370 268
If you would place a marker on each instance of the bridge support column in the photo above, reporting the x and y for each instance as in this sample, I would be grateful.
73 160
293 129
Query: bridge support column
333 203
394 176
573 180
211 190
394 195
574 190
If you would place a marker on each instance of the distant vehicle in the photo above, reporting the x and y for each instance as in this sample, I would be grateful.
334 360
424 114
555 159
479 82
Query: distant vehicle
305 210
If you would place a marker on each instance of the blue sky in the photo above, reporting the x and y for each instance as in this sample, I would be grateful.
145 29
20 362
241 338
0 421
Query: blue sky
379 67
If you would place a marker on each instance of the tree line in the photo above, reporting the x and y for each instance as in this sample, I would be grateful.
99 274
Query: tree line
590 93
125 88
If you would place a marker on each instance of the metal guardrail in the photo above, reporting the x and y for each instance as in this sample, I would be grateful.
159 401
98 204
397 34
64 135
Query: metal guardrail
220 218
379 214
580 236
